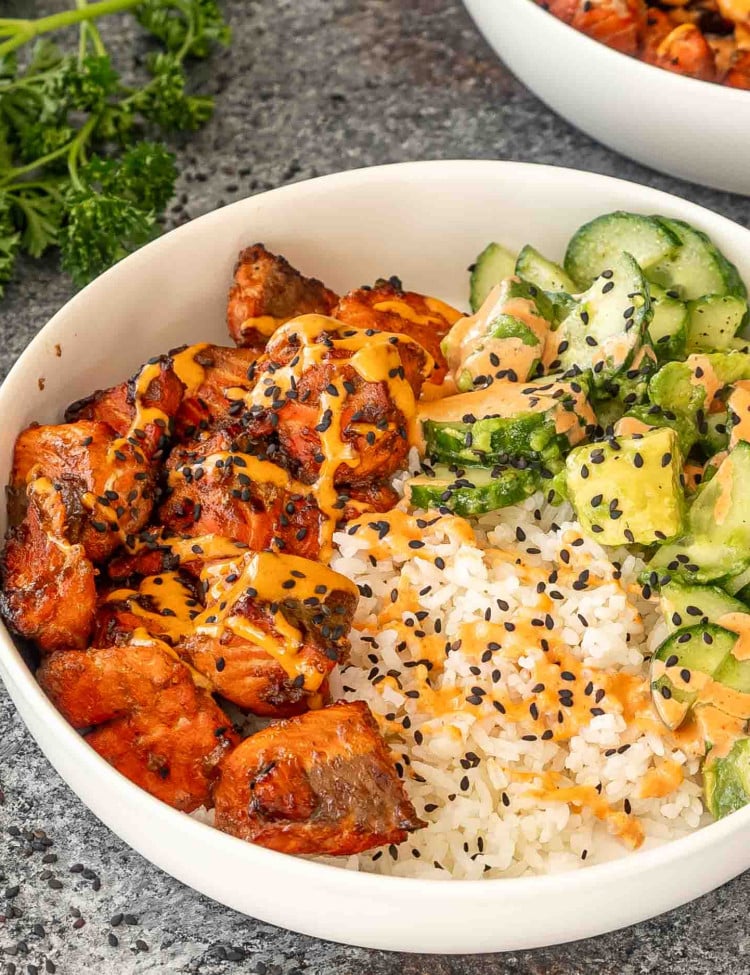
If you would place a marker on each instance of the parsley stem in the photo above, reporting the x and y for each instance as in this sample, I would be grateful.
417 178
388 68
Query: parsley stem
22 31
89 31
71 149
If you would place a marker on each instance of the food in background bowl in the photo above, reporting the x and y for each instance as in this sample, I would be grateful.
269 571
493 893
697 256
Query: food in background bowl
427 547
704 39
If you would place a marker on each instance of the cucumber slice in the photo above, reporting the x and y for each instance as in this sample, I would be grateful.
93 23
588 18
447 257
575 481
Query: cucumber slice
695 560
472 492
607 326
490 440
726 780
493 265
735 674
505 422
669 325
697 267
596 245
698 649
531 266
686 605
713 322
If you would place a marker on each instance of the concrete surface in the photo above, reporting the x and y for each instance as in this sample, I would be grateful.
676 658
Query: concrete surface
309 87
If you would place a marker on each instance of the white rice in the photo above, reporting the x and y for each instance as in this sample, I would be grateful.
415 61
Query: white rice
467 767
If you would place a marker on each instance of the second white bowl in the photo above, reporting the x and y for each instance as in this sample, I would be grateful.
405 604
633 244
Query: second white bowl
687 128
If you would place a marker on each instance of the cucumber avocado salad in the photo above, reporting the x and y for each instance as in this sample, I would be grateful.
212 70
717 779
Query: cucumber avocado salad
619 380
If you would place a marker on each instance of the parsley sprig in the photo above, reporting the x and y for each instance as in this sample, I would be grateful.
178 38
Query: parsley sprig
79 165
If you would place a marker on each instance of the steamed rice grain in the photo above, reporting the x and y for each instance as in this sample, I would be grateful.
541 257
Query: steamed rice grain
447 630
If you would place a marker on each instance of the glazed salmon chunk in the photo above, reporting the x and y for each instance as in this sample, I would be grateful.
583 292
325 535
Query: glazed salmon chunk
267 291
320 783
152 721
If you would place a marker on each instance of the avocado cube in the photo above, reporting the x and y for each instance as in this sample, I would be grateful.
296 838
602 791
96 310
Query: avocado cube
628 490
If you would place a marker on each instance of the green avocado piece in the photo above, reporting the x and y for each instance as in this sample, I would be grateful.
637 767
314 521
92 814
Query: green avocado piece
627 490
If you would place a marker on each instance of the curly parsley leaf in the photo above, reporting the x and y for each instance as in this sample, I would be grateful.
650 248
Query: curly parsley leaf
145 175
10 241
42 213
101 229
188 29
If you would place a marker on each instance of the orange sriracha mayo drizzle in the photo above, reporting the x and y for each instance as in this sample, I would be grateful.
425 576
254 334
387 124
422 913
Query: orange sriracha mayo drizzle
626 827
552 666
717 715
471 338
229 573
270 578
192 375
375 358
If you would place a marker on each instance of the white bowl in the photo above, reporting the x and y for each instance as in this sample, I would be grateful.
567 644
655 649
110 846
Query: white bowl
688 128
424 222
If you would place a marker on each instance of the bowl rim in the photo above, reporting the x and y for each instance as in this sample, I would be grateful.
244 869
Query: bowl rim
737 95
21 681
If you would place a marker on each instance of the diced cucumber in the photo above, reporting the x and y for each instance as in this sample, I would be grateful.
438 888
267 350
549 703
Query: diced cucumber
493 265
474 491
506 421
531 266
491 440
606 328
686 605
693 649
713 322
696 560
668 327
696 267
628 490
726 780
597 245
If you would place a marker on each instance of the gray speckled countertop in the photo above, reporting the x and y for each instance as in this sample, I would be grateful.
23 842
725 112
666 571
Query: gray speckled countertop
310 86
